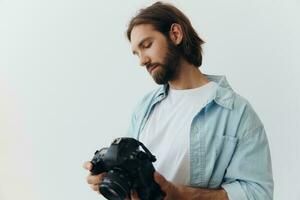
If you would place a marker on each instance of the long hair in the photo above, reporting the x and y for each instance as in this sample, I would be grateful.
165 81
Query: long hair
161 16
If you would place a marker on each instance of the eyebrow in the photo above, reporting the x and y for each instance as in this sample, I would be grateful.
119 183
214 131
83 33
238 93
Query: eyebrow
141 43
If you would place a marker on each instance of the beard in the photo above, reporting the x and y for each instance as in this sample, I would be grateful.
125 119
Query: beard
168 70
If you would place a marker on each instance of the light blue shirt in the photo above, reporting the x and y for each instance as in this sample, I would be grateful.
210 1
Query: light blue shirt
228 143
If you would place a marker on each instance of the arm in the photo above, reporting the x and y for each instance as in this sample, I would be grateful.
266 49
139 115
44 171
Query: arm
190 193
174 192
249 174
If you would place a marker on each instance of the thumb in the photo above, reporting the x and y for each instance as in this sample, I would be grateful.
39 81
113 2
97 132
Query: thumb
87 165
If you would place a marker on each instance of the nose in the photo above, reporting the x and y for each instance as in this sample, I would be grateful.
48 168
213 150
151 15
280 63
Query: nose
144 60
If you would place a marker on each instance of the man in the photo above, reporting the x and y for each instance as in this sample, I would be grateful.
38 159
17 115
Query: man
209 142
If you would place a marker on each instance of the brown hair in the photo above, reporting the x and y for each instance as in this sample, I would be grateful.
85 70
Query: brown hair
161 16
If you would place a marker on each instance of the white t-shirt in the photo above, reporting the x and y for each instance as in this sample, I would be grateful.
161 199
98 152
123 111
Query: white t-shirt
166 133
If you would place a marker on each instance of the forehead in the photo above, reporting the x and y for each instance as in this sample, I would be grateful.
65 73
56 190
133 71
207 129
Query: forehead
140 32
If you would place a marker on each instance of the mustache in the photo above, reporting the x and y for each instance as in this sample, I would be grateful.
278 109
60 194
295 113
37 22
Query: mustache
152 64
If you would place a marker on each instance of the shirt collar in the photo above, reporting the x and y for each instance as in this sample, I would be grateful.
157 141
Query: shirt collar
224 94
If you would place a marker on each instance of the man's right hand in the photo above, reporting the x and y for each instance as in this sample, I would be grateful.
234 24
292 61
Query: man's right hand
93 180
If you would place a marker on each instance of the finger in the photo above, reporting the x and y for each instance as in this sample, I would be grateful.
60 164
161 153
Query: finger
87 165
95 179
95 187
161 180
134 195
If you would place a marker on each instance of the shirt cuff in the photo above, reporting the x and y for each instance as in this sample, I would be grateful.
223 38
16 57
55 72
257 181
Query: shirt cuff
234 191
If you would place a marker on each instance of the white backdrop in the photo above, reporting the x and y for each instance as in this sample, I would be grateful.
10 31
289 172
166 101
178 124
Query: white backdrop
68 84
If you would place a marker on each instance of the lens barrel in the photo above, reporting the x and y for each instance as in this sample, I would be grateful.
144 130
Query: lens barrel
116 185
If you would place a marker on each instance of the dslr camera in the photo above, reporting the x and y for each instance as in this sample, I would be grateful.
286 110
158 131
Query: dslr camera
128 168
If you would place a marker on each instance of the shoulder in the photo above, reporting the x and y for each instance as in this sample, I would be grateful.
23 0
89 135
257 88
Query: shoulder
247 118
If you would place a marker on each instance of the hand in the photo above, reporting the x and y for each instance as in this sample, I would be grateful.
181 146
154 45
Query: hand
171 191
134 196
93 180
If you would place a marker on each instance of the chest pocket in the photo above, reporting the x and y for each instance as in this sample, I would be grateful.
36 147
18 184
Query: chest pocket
225 146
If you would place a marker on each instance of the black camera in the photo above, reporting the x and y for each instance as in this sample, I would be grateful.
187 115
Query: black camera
128 168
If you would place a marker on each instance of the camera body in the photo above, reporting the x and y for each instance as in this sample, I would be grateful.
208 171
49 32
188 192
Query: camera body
128 168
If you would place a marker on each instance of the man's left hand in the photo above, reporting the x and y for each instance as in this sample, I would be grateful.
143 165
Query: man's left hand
171 191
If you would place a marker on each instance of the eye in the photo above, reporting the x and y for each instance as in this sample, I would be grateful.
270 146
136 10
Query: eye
148 45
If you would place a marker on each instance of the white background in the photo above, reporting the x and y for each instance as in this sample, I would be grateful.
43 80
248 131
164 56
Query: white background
68 84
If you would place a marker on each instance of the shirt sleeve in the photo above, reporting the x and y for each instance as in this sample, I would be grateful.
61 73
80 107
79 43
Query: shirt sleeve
249 174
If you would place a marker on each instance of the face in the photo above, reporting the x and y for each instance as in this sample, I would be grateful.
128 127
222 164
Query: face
156 52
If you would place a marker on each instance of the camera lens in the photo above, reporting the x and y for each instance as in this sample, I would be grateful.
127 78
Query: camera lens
116 185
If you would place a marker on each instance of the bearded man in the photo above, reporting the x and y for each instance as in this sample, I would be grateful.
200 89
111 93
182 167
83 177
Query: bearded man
209 142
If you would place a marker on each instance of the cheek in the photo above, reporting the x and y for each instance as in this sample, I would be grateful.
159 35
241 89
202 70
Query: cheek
157 54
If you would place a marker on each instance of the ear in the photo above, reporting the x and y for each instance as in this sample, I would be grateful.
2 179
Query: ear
176 33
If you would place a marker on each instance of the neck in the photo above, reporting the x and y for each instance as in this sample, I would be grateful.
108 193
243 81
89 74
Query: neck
188 77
